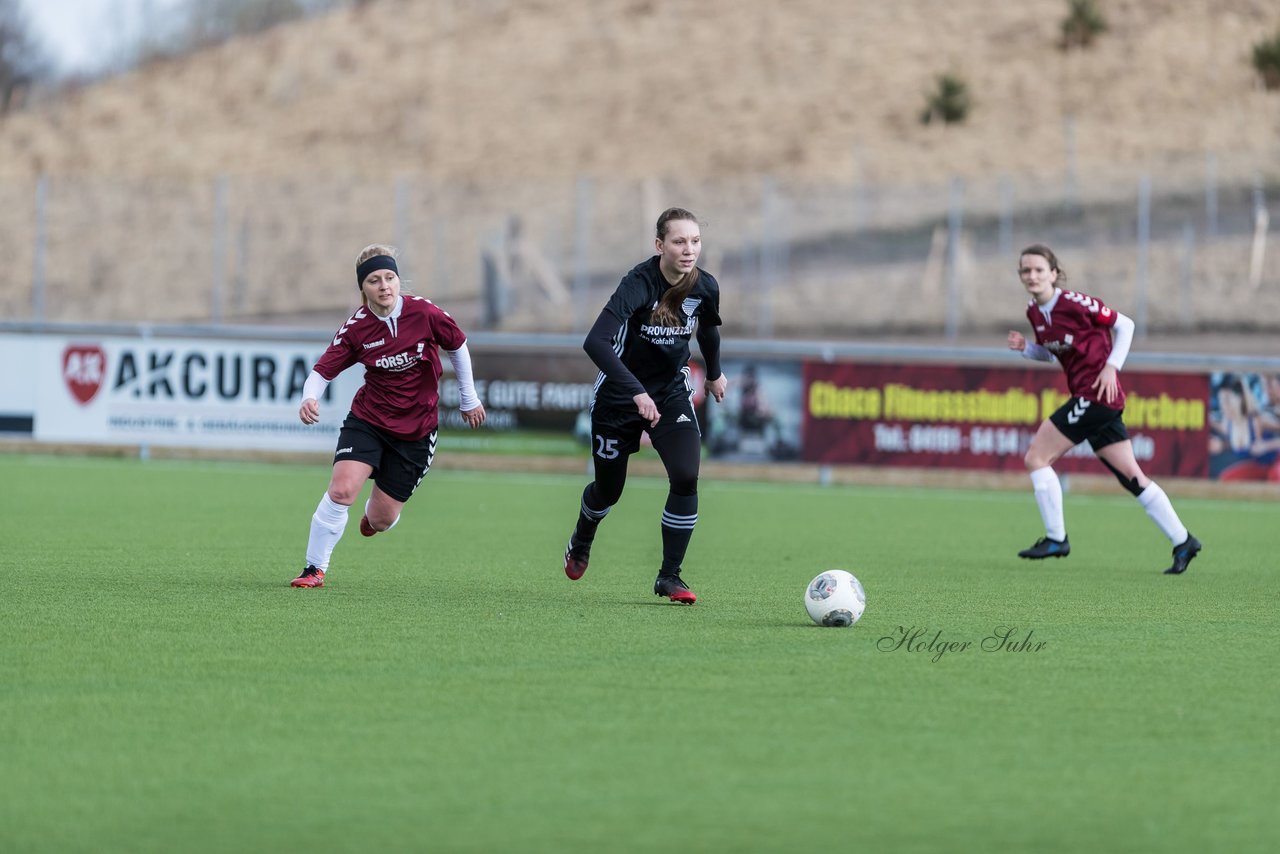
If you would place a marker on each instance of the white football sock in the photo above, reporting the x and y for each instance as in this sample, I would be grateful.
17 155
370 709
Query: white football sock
366 514
327 525
1161 511
1048 490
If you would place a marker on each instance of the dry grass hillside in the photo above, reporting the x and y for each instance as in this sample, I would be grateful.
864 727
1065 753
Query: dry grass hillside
535 88
246 176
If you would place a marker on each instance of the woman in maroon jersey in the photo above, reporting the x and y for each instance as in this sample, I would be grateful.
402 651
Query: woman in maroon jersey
1091 342
390 433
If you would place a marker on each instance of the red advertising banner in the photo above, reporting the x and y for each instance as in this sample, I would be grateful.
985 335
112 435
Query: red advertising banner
983 418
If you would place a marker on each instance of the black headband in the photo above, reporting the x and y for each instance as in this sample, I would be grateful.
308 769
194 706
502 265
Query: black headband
377 262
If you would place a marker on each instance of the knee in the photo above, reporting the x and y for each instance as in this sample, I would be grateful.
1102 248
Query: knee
344 494
608 492
684 484
1034 460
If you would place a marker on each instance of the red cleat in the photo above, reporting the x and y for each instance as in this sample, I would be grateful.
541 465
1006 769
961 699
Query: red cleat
575 564
674 588
365 528
311 577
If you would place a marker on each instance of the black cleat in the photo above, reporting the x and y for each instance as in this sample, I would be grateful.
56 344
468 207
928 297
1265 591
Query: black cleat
674 588
575 559
1183 554
1046 547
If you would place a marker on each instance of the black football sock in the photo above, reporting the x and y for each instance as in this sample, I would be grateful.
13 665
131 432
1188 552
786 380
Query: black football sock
678 519
589 516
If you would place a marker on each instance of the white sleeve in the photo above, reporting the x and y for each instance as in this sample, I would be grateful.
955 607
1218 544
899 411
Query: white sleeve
1122 337
314 387
467 398
1037 352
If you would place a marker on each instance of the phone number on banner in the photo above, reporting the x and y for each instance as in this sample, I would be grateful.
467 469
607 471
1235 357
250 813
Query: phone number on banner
998 441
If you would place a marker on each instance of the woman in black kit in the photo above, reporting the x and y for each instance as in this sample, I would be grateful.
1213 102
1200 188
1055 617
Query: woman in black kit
640 342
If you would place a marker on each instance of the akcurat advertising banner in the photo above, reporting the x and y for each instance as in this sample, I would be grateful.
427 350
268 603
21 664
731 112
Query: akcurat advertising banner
244 394
184 392
944 416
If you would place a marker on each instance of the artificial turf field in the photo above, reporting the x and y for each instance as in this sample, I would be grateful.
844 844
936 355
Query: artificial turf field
162 688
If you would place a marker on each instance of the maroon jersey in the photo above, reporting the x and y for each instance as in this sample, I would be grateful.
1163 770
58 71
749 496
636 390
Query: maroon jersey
1078 333
401 364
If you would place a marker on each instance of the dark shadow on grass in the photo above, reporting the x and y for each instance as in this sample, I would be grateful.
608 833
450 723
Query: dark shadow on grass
640 603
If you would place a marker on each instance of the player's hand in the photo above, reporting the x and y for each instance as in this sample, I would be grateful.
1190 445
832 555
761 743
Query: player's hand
310 411
648 409
717 387
1105 385
473 417
1017 341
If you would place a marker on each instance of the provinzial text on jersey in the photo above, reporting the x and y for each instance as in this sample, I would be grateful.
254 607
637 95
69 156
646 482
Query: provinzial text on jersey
666 331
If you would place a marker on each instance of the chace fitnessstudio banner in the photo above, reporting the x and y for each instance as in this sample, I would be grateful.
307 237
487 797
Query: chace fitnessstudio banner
983 418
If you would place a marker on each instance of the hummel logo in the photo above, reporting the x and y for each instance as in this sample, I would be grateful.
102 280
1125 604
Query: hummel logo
343 451
683 419
1087 301
1077 411
337 339
377 343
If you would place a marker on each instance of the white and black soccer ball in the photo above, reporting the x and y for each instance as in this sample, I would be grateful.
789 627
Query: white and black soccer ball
835 598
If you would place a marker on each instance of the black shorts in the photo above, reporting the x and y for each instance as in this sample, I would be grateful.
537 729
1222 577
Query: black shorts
399 465
616 431
1083 420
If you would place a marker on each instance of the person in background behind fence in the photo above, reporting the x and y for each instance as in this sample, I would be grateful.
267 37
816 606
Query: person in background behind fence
640 343
390 433
1077 331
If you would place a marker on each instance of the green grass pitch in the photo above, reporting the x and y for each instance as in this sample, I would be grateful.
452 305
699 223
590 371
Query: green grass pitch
162 688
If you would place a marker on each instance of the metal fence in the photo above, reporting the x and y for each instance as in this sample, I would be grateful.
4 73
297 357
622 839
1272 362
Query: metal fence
1180 247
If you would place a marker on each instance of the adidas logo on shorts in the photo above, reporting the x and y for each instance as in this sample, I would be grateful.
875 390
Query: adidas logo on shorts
682 419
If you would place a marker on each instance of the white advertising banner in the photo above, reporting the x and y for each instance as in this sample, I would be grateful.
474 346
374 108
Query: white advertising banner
188 392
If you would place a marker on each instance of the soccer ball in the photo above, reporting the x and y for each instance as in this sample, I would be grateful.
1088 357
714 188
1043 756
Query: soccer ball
835 598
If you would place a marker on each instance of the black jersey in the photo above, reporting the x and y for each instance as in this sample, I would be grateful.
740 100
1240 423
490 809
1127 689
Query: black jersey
657 355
